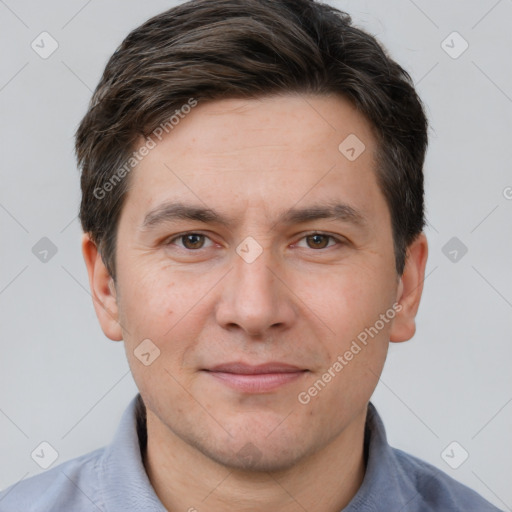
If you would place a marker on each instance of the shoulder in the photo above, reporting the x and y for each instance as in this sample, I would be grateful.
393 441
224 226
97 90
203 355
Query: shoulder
436 490
72 485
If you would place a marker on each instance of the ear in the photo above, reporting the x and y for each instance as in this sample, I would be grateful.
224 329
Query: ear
410 289
102 290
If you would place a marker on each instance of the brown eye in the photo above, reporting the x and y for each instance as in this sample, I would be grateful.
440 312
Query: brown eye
192 241
317 241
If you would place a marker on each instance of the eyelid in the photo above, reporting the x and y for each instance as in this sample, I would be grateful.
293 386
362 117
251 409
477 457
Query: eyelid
169 241
338 239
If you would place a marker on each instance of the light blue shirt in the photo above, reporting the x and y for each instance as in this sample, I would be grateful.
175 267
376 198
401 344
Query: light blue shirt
113 479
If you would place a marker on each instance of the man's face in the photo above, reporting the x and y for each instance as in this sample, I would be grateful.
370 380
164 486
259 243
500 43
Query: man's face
265 279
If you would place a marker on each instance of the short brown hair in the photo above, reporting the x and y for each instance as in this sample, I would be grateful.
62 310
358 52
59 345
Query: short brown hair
211 50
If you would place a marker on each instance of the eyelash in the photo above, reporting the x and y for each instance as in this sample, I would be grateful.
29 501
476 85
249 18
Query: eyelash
312 233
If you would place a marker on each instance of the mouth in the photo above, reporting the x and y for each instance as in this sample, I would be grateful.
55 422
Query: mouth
255 378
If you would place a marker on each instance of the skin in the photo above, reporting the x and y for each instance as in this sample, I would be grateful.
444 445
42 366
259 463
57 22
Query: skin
302 301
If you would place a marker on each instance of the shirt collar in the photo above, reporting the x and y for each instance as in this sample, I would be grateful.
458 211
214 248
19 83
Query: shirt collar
385 486
126 485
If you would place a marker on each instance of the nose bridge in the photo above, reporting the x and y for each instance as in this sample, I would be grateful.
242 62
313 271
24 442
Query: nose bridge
251 270
253 299
253 280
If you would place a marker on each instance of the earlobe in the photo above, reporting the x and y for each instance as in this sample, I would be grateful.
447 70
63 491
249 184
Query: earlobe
102 290
410 289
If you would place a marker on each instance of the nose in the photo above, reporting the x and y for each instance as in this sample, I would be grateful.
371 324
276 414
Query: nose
255 297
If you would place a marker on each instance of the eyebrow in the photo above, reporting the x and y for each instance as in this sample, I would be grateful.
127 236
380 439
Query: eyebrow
179 211
169 212
331 211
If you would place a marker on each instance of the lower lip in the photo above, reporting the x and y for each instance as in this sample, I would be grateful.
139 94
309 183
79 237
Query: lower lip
258 383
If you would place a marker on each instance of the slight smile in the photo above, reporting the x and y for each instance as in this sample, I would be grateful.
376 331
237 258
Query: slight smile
256 379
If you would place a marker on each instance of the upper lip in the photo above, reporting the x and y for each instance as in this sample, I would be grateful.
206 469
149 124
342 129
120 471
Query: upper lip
248 369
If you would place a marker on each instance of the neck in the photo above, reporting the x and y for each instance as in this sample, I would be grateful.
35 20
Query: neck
186 479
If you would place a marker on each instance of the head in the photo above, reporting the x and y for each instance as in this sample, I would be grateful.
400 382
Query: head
252 190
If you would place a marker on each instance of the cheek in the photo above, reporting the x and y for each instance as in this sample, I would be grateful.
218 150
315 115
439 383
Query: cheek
147 306
155 296
167 308
350 299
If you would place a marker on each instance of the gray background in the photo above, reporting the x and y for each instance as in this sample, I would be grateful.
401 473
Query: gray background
63 382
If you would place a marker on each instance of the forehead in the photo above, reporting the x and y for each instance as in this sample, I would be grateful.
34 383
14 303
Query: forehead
295 124
260 153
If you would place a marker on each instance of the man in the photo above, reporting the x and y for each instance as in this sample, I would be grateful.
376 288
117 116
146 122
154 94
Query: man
253 212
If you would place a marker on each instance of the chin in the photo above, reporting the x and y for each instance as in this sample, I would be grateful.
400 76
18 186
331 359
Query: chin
250 459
